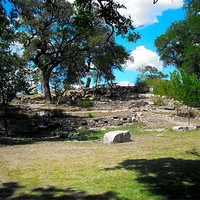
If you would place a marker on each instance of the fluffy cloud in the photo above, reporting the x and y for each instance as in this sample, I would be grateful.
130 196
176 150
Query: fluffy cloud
125 83
145 13
144 57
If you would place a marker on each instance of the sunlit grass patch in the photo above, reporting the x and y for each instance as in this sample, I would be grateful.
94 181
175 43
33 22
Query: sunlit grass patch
149 167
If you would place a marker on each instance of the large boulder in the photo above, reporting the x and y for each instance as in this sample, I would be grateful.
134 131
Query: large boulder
117 137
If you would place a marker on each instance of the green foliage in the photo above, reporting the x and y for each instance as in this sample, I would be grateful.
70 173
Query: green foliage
192 7
162 88
85 135
86 11
149 72
85 103
152 82
90 115
185 88
65 39
158 101
35 91
179 46
12 66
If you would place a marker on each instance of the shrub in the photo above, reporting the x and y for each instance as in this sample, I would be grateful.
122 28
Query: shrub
162 88
35 91
84 103
158 101
153 82
90 115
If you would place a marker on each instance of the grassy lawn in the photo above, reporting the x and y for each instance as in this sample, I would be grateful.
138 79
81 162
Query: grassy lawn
149 167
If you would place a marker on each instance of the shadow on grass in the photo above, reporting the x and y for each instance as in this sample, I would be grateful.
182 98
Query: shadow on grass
81 135
8 190
172 178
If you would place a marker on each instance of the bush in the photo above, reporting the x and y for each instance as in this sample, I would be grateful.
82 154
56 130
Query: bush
153 82
84 103
163 88
141 87
158 101
90 115
35 91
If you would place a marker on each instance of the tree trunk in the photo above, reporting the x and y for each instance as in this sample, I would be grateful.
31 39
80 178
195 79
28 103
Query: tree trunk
188 115
5 109
41 87
6 118
88 80
46 77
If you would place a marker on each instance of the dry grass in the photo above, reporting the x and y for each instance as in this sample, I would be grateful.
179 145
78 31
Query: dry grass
149 167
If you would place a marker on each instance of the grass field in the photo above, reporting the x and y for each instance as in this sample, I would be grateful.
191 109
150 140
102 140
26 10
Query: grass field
149 167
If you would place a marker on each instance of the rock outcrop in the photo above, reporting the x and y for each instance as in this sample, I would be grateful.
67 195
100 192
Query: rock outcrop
117 137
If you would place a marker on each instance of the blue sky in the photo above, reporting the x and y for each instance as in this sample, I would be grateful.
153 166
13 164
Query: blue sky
144 51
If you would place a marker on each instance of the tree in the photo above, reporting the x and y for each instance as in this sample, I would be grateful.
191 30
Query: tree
192 7
106 10
103 58
149 72
12 76
100 59
54 35
180 45
48 34
185 88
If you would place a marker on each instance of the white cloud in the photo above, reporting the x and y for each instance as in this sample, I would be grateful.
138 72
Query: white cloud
143 12
125 83
144 57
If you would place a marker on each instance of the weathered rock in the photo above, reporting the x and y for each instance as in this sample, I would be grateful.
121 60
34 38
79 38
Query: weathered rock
6 140
117 136
184 128
169 108
62 134
43 113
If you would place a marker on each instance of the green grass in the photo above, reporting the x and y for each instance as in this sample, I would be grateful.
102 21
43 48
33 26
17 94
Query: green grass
149 167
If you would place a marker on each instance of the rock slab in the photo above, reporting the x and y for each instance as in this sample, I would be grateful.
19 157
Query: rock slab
117 137
184 128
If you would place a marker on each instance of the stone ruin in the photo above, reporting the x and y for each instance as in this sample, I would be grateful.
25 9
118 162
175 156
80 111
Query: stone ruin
115 92
103 97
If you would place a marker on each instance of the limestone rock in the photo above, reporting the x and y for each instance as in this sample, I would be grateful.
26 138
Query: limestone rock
43 113
117 136
184 128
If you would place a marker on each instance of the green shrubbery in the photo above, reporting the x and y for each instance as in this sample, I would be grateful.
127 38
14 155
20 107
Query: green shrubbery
182 86
90 115
158 101
85 103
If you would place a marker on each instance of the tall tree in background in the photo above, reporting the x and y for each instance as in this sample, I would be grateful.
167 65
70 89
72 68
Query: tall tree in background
180 45
149 72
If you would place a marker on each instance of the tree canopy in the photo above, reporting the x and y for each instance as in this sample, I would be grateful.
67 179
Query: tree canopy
57 34
149 72
180 45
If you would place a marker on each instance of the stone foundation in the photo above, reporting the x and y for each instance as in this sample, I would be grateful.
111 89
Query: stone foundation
36 125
